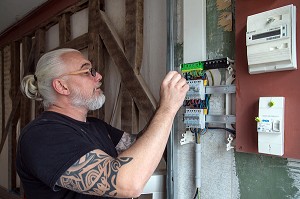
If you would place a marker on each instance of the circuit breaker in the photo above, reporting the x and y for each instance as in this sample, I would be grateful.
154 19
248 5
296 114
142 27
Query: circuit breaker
270 125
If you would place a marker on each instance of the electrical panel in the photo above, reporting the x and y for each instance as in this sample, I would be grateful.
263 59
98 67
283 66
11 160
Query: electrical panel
271 40
270 125
196 117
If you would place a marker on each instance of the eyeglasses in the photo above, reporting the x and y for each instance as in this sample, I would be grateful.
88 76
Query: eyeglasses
90 70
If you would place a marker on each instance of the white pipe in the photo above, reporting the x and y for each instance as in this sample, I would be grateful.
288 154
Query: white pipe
198 165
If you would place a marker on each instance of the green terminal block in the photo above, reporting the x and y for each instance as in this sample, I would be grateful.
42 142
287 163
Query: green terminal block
192 66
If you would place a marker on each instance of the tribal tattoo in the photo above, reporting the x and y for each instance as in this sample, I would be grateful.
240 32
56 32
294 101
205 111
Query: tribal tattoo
126 141
95 174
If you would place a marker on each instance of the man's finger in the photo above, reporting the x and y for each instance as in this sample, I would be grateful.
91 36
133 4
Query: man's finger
170 75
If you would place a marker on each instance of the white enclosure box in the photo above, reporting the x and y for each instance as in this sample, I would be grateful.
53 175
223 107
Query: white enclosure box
270 125
271 40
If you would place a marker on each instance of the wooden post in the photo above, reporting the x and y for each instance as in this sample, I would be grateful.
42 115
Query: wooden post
25 102
134 83
12 138
133 41
2 97
40 50
64 29
95 45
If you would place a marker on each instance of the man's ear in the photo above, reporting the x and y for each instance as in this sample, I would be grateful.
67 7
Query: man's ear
60 86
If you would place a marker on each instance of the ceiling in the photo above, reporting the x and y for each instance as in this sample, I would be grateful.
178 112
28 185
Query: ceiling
11 11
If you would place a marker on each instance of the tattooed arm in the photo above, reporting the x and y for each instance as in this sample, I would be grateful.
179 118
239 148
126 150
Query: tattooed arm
96 173
126 141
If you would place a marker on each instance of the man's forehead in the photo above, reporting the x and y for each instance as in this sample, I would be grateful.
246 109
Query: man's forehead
75 59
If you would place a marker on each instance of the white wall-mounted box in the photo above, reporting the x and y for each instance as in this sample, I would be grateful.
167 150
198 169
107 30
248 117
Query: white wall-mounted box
270 125
271 40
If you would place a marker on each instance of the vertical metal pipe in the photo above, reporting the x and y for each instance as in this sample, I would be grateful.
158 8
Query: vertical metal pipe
171 4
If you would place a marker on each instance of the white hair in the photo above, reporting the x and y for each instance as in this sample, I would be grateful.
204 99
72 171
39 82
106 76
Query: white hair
39 86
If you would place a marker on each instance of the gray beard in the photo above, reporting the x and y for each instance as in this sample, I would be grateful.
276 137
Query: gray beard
91 104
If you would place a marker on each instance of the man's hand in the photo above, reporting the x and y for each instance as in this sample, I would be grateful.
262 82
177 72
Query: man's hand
173 91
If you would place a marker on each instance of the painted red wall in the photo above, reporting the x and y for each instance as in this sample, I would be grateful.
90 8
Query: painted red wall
251 87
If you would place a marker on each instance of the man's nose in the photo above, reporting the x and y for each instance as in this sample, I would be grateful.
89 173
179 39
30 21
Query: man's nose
98 76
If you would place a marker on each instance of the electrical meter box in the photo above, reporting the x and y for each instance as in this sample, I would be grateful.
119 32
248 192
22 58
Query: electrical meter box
270 125
271 40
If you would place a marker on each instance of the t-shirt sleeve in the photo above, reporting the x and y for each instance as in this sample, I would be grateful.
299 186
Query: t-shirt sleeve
115 134
48 150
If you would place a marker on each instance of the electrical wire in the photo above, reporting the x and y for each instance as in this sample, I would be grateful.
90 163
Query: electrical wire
203 131
223 128
207 98
196 194
212 78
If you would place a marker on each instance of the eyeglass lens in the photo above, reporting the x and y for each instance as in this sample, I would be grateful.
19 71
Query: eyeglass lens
93 72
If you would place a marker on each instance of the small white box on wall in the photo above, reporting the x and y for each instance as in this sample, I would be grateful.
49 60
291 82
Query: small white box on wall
270 125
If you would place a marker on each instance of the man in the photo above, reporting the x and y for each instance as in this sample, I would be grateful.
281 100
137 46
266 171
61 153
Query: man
65 154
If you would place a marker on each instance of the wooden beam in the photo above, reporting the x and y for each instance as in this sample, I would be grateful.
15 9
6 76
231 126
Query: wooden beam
40 44
12 117
64 29
126 110
34 19
129 48
7 86
12 139
78 43
30 61
134 83
95 45
139 35
39 51
2 97
133 41
15 67
94 13
130 30
27 53
80 5
12 153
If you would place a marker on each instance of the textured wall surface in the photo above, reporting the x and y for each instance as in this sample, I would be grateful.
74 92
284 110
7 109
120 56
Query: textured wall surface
219 179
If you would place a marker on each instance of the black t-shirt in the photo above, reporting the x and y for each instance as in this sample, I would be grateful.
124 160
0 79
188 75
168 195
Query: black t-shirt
52 143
